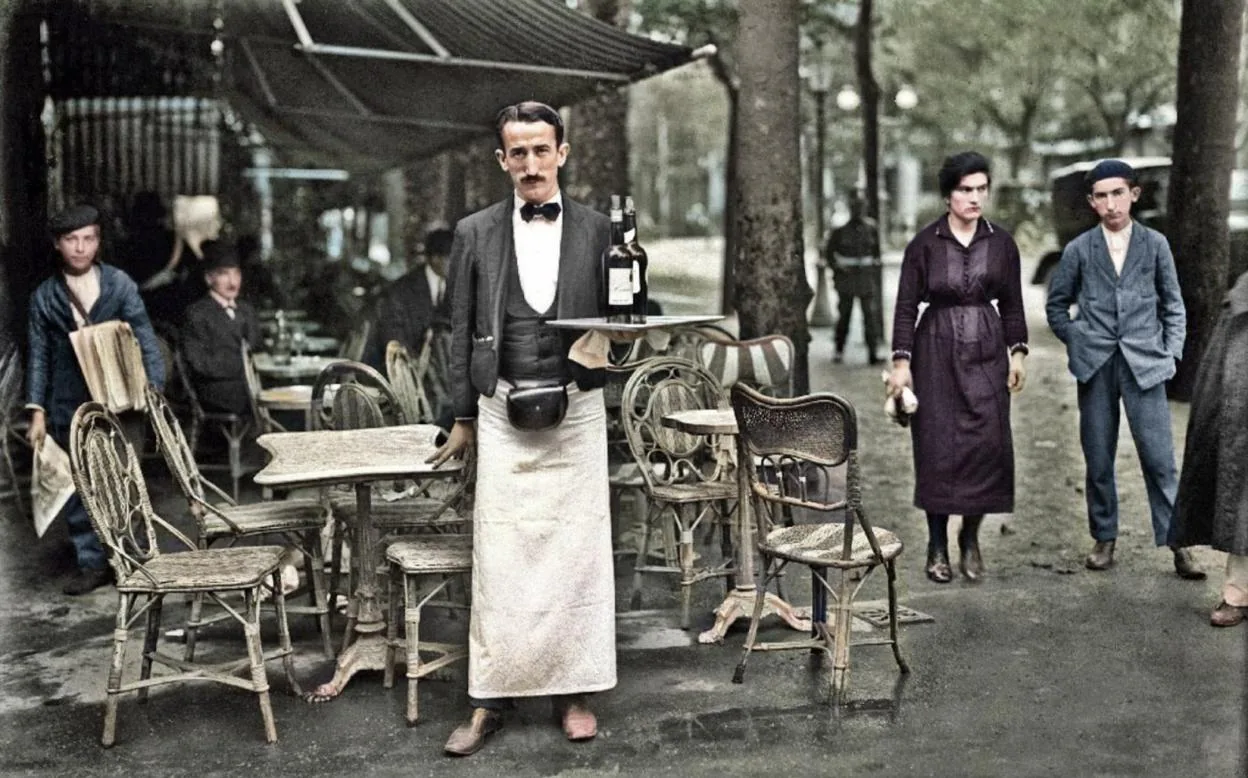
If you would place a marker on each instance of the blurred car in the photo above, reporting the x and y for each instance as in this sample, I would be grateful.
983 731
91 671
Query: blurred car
1072 215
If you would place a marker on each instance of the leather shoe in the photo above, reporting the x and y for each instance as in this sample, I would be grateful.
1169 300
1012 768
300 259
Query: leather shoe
1102 556
85 581
579 722
1226 615
1186 566
971 564
938 566
469 737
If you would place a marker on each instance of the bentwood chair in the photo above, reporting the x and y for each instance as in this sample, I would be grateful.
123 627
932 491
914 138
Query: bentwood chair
108 477
687 477
297 521
798 443
234 427
764 363
407 377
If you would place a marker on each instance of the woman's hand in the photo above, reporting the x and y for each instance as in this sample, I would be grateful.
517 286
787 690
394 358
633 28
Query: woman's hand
1018 373
899 378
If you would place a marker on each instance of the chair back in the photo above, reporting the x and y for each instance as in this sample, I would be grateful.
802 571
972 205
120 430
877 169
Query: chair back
797 444
188 386
173 445
10 385
108 478
357 340
765 363
667 456
363 398
407 378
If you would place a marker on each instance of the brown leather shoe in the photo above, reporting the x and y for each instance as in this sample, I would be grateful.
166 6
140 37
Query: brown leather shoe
971 564
579 722
938 566
468 737
1186 566
1102 556
1226 615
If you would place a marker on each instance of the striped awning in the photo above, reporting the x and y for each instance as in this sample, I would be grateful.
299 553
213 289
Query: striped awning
368 83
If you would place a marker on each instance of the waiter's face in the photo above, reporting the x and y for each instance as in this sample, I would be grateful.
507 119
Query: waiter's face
78 248
532 157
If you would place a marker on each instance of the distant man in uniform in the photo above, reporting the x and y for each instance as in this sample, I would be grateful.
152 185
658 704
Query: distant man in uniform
853 253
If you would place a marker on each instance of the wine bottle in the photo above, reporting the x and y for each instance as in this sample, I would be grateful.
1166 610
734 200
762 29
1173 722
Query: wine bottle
641 287
617 270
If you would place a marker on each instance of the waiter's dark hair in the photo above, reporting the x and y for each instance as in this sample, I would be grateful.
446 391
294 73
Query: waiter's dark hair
957 167
529 111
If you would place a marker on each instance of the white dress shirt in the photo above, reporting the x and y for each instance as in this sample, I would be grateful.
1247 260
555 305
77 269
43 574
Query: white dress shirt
86 288
537 254
229 305
1117 243
437 285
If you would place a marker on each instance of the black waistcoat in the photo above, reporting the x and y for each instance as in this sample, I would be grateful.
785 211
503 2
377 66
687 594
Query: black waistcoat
531 350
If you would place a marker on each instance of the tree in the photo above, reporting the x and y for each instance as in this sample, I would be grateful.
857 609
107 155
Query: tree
598 166
771 292
1200 179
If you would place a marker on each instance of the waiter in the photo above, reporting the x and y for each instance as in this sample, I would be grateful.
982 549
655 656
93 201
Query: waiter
543 591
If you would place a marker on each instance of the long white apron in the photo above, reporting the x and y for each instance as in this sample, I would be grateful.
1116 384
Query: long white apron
543 586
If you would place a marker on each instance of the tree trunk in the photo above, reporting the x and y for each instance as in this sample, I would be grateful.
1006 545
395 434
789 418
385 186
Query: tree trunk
870 92
1200 179
732 187
771 288
598 131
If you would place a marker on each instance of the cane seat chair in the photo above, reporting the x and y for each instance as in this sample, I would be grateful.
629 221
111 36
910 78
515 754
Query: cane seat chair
688 478
764 363
234 427
798 443
107 475
407 377
298 521
413 560
10 392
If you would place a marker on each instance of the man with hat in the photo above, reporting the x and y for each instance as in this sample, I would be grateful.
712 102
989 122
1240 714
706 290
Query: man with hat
213 333
83 291
1122 346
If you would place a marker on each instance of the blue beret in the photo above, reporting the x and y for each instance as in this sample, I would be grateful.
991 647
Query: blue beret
73 218
1110 168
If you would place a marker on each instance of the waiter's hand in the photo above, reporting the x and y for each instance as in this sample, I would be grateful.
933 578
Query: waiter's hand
462 436
38 428
1018 373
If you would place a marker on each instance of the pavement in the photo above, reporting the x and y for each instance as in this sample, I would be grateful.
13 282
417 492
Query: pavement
1043 668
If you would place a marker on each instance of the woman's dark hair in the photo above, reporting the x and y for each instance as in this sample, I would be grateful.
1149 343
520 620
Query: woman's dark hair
529 111
959 166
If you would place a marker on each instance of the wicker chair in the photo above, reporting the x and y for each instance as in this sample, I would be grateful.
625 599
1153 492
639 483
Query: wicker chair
298 521
233 426
364 399
685 476
407 377
412 560
107 474
798 442
764 363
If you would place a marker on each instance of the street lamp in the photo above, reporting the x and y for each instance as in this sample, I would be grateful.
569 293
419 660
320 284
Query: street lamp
820 74
847 99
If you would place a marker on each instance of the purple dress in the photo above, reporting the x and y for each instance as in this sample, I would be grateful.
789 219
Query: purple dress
963 450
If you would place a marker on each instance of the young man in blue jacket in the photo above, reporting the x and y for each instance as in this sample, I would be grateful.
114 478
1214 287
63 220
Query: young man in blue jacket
55 386
1122 347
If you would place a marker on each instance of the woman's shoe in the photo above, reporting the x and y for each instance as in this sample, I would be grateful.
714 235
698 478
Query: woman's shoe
938 569
971 563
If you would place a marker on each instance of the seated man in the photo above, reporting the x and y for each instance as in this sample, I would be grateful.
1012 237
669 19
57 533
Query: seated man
413 303
214 331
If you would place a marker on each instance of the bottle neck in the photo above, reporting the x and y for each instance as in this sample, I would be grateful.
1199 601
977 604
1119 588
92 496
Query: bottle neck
617 233
630 227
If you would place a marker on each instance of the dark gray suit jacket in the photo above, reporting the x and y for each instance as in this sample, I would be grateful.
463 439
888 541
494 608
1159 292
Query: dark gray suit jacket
212 348
478 270
1140 312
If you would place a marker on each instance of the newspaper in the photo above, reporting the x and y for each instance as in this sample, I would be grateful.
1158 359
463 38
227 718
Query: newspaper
51 484
112 364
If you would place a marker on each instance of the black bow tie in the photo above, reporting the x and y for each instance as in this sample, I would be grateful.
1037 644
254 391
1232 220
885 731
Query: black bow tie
549 211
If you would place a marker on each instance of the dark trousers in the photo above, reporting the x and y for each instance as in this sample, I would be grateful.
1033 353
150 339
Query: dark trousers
87 546
1148 415
870 319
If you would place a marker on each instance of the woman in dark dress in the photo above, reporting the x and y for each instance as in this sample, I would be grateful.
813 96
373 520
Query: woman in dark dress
962 359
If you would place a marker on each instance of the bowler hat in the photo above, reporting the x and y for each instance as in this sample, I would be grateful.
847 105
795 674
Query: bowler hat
218 255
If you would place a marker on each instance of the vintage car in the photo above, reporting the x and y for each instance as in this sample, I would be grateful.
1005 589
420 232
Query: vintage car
1072 214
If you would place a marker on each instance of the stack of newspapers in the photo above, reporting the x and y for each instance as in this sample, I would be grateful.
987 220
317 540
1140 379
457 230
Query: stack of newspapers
112 365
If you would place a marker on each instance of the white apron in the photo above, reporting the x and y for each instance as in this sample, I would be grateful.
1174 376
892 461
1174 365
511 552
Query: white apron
543 585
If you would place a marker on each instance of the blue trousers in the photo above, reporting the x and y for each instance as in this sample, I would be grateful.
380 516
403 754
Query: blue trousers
87 546
1148 415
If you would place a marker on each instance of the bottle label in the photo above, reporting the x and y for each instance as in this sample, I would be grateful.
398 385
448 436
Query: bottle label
620 286
630 235
636 277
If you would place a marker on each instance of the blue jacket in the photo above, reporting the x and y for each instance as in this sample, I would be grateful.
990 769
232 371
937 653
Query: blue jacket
1140 312
54 381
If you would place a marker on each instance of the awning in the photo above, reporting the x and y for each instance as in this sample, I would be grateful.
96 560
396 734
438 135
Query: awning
376 83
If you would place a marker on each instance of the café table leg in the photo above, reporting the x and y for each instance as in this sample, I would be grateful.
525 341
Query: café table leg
740 601
368 650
